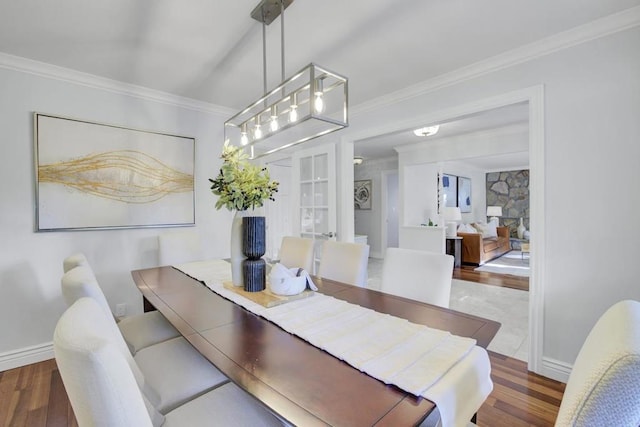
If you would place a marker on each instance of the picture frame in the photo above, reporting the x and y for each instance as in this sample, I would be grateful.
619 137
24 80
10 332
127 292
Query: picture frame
464 194
91 176
449 190
362 194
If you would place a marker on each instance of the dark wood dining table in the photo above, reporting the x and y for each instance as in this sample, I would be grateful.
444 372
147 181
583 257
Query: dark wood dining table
303 384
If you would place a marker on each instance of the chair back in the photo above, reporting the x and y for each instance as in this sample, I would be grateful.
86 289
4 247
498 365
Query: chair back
603 386
80 282
297 252
344 262
179 247
73 261
418 275
102 387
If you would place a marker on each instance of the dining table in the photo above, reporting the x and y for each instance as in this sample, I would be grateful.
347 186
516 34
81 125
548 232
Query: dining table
303 384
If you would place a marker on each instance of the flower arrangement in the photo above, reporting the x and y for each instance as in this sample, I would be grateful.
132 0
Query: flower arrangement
241 185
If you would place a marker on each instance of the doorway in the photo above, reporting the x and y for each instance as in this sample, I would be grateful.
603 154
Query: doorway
534 97
390 225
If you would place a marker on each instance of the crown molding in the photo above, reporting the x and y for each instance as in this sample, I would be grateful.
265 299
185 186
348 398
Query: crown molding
42 69
602 27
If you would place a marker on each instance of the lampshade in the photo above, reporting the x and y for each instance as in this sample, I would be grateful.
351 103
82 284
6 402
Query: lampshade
494 210
452 214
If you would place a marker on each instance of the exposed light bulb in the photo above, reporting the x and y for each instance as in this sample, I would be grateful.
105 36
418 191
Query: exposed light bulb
318 103
257 132
293 114
244 139
273 125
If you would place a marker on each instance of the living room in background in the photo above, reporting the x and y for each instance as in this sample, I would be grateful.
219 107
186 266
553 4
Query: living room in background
509 190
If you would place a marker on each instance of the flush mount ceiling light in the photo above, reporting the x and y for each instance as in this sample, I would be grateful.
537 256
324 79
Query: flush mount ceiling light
311 103
427 131
357 160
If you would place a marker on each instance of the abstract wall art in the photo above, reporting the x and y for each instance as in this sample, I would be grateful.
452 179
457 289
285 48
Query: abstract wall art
464 194
362 194
98 176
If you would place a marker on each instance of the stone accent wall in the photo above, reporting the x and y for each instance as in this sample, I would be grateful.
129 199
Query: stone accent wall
511 191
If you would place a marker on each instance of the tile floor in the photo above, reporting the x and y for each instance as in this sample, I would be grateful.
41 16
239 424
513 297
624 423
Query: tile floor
510 307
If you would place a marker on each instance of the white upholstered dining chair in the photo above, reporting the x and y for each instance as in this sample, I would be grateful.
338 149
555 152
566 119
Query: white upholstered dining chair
173 369
139 331
297 252
603 385
179 247
75 260
418 275
106 388
602 389
344 262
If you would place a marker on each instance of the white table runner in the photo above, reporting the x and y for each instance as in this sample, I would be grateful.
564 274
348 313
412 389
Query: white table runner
449 370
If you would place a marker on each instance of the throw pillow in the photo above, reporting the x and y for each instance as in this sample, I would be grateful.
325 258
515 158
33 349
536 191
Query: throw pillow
466 228
487 230
492 230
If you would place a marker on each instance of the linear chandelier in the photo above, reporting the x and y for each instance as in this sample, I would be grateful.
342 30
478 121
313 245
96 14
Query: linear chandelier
311 103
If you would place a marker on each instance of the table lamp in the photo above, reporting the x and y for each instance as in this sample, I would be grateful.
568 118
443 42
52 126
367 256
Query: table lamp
451 215
494 212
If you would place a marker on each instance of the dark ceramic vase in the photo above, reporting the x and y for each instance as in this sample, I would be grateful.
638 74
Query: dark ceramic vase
255 274
253 247
253 236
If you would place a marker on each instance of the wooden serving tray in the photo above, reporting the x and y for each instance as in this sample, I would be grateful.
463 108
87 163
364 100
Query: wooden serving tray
266 298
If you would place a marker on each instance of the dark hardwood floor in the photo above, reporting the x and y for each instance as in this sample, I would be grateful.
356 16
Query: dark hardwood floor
466 272
34 396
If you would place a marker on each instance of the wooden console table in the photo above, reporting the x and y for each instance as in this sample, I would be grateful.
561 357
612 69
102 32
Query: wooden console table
454 248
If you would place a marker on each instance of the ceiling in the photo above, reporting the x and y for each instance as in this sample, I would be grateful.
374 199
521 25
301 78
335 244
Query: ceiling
211 50
382 146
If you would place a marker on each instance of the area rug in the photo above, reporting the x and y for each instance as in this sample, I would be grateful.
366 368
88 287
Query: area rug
510 263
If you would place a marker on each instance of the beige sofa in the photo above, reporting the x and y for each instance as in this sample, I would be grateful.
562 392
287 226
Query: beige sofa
477 250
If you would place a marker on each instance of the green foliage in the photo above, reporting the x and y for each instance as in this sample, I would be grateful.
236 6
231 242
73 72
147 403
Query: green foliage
241 185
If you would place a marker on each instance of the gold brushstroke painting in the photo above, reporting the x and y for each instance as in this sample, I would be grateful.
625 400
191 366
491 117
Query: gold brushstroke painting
94 176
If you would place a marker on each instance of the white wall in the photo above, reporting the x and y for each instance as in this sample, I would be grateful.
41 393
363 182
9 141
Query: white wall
418 193
369 222
592 105
30 262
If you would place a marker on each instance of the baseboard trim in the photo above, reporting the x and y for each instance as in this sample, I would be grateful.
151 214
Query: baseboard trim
26 356
556 369
376 254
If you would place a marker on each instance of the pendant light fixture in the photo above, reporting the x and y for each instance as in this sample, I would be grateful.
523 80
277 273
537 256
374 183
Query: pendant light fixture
311 103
